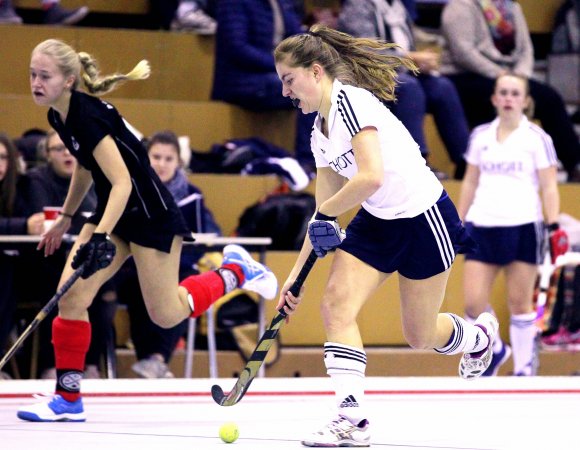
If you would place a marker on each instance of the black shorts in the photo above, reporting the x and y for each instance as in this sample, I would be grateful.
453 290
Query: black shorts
156 232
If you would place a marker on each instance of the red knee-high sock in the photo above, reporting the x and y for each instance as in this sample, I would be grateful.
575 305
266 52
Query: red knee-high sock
71 340
208 287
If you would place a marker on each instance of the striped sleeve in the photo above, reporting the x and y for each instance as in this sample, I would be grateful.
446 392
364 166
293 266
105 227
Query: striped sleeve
545 155
347 113
473 152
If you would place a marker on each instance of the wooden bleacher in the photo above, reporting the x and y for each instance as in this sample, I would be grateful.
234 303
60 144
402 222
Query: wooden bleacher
177 97
126 7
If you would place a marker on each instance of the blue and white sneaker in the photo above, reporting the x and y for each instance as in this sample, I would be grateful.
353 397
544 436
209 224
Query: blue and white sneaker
473 365
497 360
55 410
259 278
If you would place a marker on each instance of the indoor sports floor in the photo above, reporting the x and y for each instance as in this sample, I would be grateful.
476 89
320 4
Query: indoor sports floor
405 413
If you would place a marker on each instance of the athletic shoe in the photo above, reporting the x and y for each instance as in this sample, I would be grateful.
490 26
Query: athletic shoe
259 278
472 365
340 433
57 15
151 368
497 360
196 21
55 410
556 341
573 344
7 13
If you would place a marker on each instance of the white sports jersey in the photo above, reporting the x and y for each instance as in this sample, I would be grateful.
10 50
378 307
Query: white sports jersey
507 193
409 187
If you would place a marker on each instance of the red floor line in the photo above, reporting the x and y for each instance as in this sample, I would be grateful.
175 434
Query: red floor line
320 393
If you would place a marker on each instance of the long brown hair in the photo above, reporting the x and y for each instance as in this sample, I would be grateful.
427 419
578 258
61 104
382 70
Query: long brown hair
360 62
8 184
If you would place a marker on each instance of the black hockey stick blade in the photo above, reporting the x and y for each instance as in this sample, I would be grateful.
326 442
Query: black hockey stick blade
259 355
41 315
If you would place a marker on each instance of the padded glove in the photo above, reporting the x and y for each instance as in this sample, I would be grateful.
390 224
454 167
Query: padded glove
325 234
96 254
558 240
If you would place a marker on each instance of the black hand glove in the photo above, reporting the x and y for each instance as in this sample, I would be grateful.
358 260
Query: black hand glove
96 254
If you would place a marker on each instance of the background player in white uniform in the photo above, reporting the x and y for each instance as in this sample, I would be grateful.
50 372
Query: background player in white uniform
508 160
135 216
407 223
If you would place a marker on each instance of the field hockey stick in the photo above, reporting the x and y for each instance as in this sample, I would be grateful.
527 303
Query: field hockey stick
546 271
41 315
266 341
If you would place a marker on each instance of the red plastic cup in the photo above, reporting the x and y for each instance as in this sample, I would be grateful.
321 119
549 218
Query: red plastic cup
50 215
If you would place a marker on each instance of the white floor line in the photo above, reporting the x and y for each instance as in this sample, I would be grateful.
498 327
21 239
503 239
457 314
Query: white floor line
502 413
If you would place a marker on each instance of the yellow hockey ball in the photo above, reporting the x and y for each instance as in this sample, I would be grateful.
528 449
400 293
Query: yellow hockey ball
229 432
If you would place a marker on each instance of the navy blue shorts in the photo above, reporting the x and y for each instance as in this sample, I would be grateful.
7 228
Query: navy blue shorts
504 245
418 248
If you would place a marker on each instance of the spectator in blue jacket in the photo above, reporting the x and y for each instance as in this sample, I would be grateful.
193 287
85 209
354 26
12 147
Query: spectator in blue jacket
245 74
154 345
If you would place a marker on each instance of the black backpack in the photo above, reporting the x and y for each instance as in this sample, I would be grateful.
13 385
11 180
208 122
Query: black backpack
282 217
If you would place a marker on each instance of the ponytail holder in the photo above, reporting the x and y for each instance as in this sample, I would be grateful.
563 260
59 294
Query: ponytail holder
313 33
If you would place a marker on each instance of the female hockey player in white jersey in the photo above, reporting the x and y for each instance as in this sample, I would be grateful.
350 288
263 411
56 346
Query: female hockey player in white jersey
407 223
508 161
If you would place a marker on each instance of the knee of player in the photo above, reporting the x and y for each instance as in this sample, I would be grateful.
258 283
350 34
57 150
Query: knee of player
161 319
419 341
336 314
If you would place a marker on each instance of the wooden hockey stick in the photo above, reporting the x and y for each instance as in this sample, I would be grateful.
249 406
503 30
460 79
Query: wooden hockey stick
41 315
266 341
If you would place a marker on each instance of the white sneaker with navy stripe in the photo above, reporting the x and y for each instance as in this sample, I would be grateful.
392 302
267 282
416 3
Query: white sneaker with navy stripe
340 433
53 409
473 365
259 278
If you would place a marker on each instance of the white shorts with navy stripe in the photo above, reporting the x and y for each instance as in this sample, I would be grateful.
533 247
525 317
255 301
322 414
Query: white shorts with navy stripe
418 247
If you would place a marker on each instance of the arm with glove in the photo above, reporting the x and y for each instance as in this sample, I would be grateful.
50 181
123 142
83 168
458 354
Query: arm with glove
557 238
99 251
335 197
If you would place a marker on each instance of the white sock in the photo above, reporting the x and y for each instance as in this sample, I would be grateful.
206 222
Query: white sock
497 342
466 338
523 333
346 367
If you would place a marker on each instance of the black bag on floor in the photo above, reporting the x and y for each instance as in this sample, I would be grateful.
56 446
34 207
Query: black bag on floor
282 217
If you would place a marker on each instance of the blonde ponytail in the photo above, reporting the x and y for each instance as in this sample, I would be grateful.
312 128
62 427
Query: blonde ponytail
96 84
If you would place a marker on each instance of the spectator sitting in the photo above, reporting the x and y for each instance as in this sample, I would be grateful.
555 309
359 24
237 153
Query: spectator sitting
417 95
154 345
486 38
53 13
14 220
245 74
27 146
